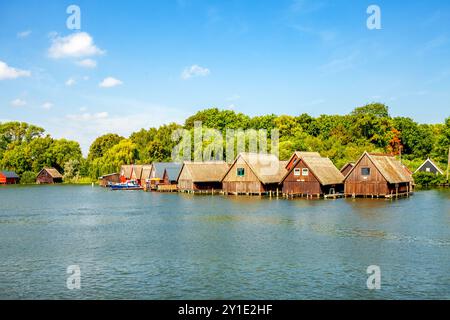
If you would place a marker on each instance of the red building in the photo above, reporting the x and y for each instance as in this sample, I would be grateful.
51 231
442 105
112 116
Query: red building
8 177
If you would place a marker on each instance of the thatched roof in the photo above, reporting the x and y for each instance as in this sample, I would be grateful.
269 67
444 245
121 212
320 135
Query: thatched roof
390 168
146 170
302 154
125 170
137 169
206 171
53 173
324 170
266 167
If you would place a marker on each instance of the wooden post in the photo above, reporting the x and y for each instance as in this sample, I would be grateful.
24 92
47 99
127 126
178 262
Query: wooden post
448 162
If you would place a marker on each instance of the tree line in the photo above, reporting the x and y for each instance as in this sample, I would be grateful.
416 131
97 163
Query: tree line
25 148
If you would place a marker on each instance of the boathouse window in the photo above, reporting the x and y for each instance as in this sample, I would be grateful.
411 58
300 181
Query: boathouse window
305 171
296 171
365 171
240 172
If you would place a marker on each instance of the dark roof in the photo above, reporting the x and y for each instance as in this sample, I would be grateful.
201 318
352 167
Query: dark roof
160 167
10 174
173 172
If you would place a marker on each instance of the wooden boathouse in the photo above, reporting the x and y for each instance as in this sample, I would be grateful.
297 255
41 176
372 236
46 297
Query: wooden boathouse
377 175
108 179
254 174
202 177
311 175
49 176
157 174
9 177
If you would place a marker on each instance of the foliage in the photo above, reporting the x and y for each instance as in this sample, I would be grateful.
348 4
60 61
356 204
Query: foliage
28 177
429 179
342 138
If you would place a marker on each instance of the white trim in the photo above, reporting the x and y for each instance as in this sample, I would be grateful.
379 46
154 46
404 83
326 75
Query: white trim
432 163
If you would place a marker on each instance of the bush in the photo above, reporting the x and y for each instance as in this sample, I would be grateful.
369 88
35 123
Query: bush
28 177
428 179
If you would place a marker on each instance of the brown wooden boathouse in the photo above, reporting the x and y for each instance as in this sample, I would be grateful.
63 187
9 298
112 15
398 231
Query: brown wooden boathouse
377 175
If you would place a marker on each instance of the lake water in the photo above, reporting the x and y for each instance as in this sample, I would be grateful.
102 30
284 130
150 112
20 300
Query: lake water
137 245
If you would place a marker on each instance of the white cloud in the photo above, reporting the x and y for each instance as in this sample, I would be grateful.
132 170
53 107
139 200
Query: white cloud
194 71
18 102
88 116
23 34
70 82
7 72
76 45
47 105
110 82
87 63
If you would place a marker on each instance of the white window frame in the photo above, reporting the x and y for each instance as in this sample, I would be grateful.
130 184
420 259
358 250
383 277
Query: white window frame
305 172
297 172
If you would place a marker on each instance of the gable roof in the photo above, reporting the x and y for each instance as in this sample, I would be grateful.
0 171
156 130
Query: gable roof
266 167
125 170
137 170
160 167
9 174
432 163
173 172
390 168
303 154
52 172
146 170
206 171
323 169
346 165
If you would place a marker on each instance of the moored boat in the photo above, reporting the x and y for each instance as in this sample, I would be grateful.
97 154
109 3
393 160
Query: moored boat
129 185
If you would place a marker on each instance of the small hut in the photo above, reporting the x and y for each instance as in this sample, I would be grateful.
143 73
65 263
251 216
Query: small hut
9 177
202 177
429 166
254 174
346 168
312 175
377 175
49 176
108 179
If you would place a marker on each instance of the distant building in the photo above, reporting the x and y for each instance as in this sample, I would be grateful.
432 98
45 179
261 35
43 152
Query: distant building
131 172
312 175
49 176
145 175
107 179
254 174
158 169
346 168
9 177
202 176
377 175
429 166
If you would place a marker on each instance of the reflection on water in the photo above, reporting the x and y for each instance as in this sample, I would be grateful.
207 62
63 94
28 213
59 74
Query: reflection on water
176 246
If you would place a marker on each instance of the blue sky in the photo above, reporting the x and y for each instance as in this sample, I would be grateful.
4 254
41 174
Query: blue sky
138 64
